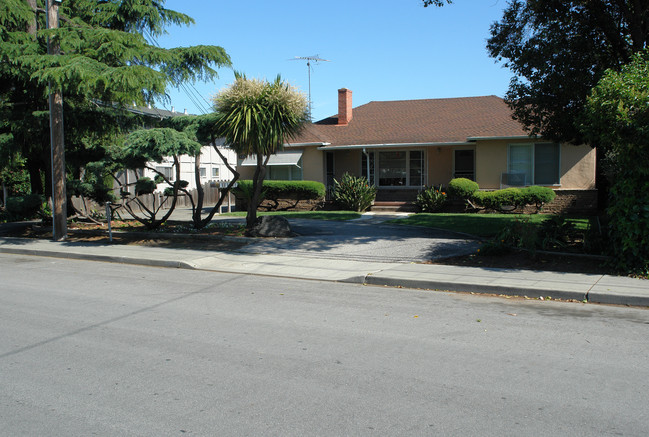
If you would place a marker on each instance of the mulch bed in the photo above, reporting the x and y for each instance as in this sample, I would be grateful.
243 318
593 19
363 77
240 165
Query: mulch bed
527 261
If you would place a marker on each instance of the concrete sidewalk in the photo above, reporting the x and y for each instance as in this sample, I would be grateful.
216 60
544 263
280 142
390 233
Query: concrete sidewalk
582 287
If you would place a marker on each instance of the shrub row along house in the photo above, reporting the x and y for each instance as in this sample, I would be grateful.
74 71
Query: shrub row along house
402 146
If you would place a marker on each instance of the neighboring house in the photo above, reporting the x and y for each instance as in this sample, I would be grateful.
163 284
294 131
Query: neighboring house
212 168
405 145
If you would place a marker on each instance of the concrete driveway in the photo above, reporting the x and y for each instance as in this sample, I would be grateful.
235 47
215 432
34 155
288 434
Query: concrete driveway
369 238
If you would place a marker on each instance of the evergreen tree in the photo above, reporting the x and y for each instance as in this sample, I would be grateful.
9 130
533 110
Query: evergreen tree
106 64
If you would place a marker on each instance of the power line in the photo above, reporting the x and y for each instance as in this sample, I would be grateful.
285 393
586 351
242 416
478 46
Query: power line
189 89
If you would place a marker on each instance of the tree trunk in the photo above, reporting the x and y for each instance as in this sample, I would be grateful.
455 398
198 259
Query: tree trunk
257 187
34 170
222 193
200 194
32 26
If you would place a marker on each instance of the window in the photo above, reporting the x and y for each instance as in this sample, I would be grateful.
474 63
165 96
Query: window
535 164
416 168
285 172
397 168
216 171
166 172
203 172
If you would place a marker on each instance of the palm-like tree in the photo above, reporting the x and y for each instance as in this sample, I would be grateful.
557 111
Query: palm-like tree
256 118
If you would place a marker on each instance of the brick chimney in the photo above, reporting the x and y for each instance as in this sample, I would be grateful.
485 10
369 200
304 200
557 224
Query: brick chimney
344 106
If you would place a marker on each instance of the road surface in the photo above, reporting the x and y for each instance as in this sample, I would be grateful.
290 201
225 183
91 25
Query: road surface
90 348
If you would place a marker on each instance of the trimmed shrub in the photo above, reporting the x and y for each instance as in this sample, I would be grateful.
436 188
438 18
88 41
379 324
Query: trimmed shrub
499 198
538 196
462 188
353 194
283 189
515 197
144 186
21 207
430 199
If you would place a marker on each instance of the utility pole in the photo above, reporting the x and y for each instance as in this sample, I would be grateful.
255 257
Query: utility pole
59 207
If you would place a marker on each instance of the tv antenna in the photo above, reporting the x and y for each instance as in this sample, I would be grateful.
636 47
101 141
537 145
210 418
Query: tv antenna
309 60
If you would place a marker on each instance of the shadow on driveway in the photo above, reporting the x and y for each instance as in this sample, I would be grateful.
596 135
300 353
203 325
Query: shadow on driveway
363 239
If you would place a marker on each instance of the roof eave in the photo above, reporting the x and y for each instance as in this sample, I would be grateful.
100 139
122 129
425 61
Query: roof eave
395 145
506 137
306 144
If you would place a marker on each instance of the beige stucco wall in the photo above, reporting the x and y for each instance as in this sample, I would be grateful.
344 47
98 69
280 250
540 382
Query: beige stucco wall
490 162
439 165
577 164
245 172
313 165
577 167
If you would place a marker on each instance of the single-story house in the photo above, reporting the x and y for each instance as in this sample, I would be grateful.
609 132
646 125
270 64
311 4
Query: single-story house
402 146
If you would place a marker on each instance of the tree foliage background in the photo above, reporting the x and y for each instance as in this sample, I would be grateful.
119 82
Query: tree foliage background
580 75
108 61
616 119
558 50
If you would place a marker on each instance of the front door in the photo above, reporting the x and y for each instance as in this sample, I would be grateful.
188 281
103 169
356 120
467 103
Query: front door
464 164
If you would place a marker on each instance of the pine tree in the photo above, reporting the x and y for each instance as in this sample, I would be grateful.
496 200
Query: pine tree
106 64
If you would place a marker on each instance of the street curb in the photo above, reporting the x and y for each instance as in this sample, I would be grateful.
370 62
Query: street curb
603 292
106 258
475 288
613 298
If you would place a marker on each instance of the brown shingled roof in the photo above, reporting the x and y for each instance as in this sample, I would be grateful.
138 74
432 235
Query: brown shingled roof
418 121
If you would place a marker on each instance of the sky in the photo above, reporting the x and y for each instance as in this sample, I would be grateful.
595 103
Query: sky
379 49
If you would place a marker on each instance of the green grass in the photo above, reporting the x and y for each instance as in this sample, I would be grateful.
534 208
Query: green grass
481 225
313 215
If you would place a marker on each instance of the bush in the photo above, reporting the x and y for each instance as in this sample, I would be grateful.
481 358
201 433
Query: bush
283 189
144 186
628 226
556 233
515 197
521 233
499 198
22 207
430 199
538 196
353 194
462 188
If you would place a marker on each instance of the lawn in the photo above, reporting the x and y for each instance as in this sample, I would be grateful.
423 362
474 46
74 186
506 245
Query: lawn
481 225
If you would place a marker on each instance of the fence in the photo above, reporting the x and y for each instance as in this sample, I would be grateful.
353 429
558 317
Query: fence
211 197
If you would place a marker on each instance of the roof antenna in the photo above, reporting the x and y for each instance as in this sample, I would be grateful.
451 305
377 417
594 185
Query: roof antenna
309 59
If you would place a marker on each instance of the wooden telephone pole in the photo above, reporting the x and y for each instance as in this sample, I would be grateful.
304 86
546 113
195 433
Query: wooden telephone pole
59 207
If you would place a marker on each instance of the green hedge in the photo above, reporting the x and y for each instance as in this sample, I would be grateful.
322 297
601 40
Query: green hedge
462 188
24 207
515 197
285 189
538 196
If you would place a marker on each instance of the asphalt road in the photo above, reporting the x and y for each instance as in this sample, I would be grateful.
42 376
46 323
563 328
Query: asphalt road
90 348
